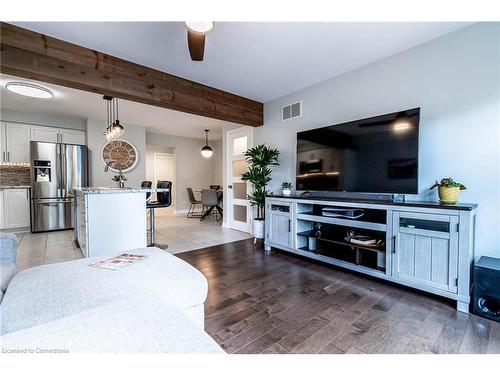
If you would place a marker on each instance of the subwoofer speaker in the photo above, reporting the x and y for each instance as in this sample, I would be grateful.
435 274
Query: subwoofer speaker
486 288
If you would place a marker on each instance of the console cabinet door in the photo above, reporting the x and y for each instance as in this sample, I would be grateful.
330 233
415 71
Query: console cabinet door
280 223
426 249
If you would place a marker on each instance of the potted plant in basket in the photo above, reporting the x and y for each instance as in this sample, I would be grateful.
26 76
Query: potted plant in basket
448 190
260 159
286 188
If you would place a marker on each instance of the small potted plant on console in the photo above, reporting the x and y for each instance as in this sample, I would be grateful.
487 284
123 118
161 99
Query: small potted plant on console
286 188
260 159
448 190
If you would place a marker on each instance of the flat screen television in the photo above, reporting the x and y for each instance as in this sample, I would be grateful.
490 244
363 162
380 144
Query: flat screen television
373 155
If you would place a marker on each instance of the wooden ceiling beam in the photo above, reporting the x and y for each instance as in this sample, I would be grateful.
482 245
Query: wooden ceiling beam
31 55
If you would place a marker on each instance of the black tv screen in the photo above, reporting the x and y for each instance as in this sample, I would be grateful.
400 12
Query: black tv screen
373 155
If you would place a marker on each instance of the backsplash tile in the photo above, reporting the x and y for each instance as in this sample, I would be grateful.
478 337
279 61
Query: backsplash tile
15 175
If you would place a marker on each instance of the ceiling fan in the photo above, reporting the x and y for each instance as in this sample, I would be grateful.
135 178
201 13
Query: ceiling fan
196 32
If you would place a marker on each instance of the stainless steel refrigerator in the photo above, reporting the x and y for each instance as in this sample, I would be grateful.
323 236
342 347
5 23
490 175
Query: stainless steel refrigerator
56 168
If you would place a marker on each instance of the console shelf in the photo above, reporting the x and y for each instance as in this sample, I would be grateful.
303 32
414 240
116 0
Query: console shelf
309 216
422 245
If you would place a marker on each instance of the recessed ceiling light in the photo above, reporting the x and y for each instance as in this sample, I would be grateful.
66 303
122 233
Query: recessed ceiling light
202 27
29 89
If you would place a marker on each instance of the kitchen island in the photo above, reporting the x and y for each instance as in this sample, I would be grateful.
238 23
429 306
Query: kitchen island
110 220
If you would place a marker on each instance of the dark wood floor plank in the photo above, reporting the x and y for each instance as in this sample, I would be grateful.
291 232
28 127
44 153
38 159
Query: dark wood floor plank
278 303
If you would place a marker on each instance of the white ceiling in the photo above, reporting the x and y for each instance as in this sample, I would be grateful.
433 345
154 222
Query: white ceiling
257 60
81 104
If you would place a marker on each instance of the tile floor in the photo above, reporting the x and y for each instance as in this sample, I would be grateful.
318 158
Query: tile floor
180 233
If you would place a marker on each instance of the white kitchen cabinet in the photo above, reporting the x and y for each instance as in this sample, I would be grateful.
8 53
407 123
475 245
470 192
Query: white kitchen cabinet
16 208
15 142
426 249
76 137
44 134
60 135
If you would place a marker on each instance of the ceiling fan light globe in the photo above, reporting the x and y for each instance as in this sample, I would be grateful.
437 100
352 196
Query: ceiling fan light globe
200 27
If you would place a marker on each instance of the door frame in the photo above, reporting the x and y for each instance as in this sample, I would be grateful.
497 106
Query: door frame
228 211
174 182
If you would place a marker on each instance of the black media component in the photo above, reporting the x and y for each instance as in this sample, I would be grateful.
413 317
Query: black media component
486 288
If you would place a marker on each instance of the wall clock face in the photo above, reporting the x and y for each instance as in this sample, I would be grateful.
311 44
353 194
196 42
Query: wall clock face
122 153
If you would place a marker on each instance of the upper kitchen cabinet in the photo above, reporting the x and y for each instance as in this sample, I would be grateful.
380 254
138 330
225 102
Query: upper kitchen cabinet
44 134
49 134
76 137
15 142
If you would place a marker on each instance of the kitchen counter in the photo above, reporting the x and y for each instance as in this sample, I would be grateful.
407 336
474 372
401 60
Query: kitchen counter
126 190
5 187
110 221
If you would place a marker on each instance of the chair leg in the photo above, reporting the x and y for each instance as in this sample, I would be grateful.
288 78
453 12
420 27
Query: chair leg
190 211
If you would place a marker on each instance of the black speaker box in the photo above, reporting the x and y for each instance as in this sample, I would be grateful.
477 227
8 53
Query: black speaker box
486 288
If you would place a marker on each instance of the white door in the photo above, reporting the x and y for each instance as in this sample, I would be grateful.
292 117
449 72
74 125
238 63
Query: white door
16 208
165 171
75 137
238 210
44 134
18 142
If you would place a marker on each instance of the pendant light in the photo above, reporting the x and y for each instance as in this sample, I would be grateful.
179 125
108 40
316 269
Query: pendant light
116 128
113 129
206 151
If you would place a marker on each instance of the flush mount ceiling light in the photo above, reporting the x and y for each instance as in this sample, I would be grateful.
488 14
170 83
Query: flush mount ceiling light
29 89
196 38
206 151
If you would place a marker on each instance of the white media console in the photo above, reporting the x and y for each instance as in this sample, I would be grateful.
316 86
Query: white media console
424 245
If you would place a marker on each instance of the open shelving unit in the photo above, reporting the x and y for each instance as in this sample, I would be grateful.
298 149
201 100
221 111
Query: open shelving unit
330 234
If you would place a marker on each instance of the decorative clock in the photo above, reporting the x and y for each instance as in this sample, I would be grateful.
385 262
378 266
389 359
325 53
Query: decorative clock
123 153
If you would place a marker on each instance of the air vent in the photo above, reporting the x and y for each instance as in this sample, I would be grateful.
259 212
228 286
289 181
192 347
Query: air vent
291 111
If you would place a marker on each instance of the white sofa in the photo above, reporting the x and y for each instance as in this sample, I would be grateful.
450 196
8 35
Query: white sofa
155 305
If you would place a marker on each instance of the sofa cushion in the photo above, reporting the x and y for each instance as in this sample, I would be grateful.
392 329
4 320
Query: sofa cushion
148 325
7 272
42 294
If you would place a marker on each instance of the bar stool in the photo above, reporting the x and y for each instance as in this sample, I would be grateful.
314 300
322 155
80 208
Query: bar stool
164 201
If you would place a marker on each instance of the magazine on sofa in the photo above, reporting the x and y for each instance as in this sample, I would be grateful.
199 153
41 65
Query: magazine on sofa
119 261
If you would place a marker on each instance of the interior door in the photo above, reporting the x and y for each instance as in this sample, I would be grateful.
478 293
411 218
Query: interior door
165 171
238 210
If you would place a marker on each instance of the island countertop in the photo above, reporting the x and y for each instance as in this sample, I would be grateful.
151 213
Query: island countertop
126 190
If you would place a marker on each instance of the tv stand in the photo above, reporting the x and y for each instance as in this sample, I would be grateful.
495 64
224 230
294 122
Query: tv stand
424 245
386 197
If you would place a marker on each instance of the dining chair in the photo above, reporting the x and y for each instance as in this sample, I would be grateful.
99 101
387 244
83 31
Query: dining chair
209 199
215 187
193 201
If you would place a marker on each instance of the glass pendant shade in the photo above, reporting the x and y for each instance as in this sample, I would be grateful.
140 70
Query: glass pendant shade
206 151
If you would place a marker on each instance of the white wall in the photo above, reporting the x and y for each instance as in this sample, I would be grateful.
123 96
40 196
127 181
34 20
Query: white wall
455 80
192 170
95 141
58 121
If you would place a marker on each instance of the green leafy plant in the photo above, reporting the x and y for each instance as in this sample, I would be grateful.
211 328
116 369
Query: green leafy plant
260 159
286 185
448 182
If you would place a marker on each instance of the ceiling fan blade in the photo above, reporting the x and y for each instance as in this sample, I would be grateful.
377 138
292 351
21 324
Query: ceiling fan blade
196 43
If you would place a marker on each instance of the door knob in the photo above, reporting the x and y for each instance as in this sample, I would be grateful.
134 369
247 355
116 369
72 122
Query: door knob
229 186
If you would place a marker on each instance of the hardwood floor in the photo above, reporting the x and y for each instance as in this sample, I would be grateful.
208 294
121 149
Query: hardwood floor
278 303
